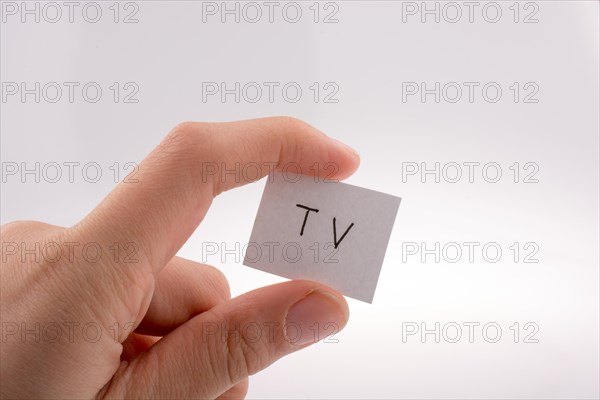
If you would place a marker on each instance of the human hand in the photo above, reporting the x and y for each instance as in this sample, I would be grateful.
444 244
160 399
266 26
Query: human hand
160 326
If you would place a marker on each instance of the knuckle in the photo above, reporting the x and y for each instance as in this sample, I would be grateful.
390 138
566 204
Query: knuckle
183 128
179 139
238 391
11 228
40 257
186 143
197 148
186 134
219 283
22 230
297 126
291 121
246 354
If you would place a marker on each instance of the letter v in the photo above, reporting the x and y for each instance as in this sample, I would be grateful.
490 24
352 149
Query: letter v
335 242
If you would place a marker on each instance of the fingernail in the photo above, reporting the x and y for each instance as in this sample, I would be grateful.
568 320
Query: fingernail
314 317
348 148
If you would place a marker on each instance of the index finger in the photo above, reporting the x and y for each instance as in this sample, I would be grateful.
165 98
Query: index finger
177 181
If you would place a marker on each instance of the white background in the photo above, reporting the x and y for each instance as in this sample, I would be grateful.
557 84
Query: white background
368 53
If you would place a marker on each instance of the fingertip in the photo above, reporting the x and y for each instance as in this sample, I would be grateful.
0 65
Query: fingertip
346 158
321 312
347 148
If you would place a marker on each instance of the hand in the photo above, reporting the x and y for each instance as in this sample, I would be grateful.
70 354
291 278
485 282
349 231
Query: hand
82 317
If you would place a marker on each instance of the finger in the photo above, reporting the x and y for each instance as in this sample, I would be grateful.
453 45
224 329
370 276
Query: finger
183 289
238 391
217 349
177 181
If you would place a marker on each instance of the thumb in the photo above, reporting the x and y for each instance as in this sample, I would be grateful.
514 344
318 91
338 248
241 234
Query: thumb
217 349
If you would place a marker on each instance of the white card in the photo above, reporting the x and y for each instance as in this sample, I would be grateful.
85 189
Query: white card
342 244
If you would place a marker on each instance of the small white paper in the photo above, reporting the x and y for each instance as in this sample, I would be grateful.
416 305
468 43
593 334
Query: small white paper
342 244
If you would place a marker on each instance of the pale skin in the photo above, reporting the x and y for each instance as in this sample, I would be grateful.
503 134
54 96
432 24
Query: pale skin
149 318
